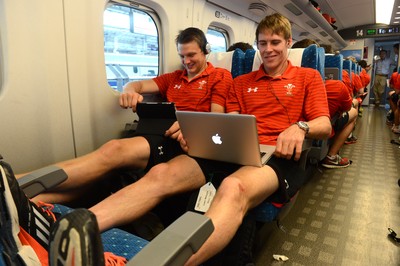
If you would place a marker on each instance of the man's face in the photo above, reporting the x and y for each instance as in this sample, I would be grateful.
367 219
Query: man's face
193 58
382 55
274 51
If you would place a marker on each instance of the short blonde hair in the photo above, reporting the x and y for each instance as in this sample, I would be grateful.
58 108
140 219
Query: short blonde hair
276 23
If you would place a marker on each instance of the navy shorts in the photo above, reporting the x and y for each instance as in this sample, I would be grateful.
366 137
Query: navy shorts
394 98
341 122
162 149
290 175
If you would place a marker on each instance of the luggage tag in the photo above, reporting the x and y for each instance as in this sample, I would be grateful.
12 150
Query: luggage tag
205 197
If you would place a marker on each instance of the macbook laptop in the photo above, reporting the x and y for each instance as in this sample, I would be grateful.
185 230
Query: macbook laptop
331 73
223 137
155 117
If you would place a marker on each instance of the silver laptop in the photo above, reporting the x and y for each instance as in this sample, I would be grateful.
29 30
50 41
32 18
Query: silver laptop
224 137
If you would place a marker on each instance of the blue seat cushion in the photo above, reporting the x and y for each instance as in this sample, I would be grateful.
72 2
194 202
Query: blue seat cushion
117 241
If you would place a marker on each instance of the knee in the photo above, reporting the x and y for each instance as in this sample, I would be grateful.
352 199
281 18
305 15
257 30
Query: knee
161 174
110 151
235 193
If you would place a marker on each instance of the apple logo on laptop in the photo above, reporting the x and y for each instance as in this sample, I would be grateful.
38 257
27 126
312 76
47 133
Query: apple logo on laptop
216 139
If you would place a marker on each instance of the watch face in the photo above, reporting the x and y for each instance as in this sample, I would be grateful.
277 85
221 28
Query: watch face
303 125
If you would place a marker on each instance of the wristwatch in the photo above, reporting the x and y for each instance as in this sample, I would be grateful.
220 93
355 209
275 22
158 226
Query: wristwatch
304 126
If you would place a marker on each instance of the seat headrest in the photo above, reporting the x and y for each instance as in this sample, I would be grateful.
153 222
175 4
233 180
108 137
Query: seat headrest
232 61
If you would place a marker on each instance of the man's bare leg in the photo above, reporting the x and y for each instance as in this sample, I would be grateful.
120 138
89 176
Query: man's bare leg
179 175
131 153
241 191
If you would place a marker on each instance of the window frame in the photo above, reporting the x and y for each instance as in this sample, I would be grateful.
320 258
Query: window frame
157 23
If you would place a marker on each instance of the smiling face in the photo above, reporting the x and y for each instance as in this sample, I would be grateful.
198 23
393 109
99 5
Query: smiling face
274 51
274 37
192 58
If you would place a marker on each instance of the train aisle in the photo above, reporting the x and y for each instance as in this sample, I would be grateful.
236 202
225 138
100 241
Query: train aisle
342 216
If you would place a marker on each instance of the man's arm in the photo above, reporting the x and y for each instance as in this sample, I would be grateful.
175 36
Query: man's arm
290 141
133 92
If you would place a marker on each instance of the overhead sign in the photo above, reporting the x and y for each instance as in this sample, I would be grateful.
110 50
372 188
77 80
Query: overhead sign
370 31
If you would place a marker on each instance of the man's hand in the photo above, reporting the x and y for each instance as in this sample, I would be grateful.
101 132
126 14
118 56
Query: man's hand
183 142
130 100
174 131
290 142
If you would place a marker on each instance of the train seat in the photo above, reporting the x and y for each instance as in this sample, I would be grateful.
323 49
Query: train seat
173 246
232 61
348 66
333 70
333 63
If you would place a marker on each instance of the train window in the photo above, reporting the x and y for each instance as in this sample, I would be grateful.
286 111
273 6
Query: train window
217 38
131 44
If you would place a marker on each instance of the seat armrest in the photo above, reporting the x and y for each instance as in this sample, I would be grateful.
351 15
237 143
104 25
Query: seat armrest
41 180
307 144
175 244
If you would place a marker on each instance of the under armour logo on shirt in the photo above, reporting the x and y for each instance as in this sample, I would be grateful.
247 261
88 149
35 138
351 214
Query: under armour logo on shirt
177 86
160 148
254 90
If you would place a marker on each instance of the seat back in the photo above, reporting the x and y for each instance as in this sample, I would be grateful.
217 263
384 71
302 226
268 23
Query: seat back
232 61
348 66
334 62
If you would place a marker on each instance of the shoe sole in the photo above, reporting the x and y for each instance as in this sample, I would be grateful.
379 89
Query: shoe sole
75 240
335 166
15 252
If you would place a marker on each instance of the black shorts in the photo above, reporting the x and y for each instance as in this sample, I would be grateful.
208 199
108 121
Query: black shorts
341 122
290 175
394 98
162 149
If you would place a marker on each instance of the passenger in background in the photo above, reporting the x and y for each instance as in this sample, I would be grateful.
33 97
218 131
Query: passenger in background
342 113
396 54
381 74
304 43
240 45
328 49
394 85
365 79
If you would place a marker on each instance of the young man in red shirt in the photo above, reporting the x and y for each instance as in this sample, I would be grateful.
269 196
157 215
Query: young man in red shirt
394 84
340 106
198 87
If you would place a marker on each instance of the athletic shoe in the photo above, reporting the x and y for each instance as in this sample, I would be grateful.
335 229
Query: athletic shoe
36 221
335 161
350 140
13 252
75 240
396 129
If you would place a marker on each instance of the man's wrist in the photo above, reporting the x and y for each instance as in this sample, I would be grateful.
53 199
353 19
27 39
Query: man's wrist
304 126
